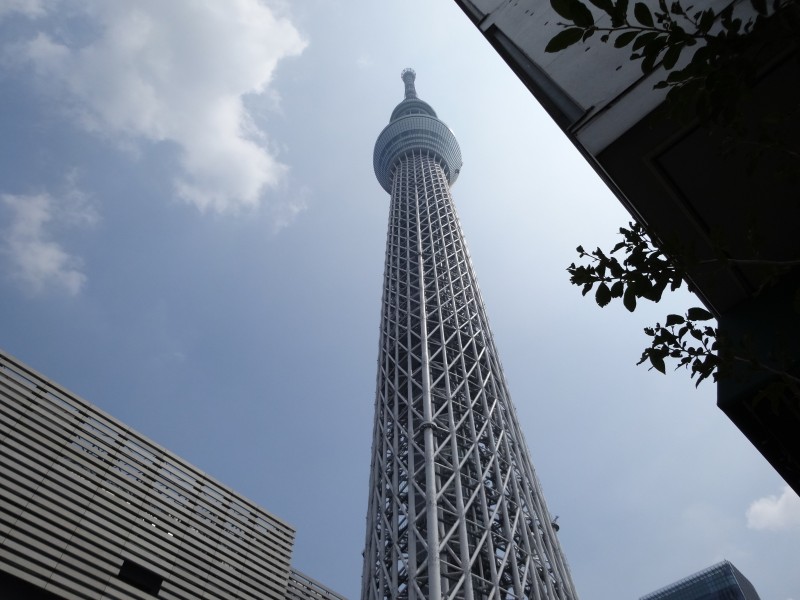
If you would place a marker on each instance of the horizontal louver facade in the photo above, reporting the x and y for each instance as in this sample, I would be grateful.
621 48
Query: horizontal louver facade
91 509
302 587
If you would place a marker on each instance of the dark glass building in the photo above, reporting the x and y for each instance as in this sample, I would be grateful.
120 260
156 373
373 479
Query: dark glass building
722 581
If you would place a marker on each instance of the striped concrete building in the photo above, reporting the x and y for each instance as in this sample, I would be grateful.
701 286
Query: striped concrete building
91 509
302 587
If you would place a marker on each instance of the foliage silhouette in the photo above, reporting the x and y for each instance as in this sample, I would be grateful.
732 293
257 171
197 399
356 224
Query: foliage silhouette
710 61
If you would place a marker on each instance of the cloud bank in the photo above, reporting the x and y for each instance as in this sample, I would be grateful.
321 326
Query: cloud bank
172 71
775 513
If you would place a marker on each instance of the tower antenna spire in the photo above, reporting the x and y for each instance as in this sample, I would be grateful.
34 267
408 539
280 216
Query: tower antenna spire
408 76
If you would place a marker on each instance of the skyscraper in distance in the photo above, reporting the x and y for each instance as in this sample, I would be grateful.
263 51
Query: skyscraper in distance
721 581
455 509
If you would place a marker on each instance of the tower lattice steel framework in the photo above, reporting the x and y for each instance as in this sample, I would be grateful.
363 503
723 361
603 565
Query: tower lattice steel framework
455 508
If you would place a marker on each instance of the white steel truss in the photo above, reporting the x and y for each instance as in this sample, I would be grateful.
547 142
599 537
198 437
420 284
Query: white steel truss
455 508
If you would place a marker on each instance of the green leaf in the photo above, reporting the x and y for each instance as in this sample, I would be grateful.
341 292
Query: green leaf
677 76
603 295
607 6
706 20
648 64
623 39
678 33
617 289
564 39
671 56
654 46
620 14
698 314
657 362
674 320
629 299
562 7
642 14
677 9
581 16
642 40
700 378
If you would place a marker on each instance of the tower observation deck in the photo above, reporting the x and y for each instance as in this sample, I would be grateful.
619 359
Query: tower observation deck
455 509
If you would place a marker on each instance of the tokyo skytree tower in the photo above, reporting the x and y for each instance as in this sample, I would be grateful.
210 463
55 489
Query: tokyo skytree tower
455 508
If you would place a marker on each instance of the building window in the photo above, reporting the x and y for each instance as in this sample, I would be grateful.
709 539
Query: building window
140 577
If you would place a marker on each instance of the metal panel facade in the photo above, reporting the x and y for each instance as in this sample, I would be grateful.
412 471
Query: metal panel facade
91 509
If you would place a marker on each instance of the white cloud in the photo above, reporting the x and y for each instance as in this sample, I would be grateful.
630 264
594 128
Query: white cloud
775 512
34 257
178 71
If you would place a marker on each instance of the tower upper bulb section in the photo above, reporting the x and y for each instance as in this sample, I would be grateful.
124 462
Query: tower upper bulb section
414 126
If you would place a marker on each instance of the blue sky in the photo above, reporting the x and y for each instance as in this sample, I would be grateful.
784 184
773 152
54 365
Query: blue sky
191 238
